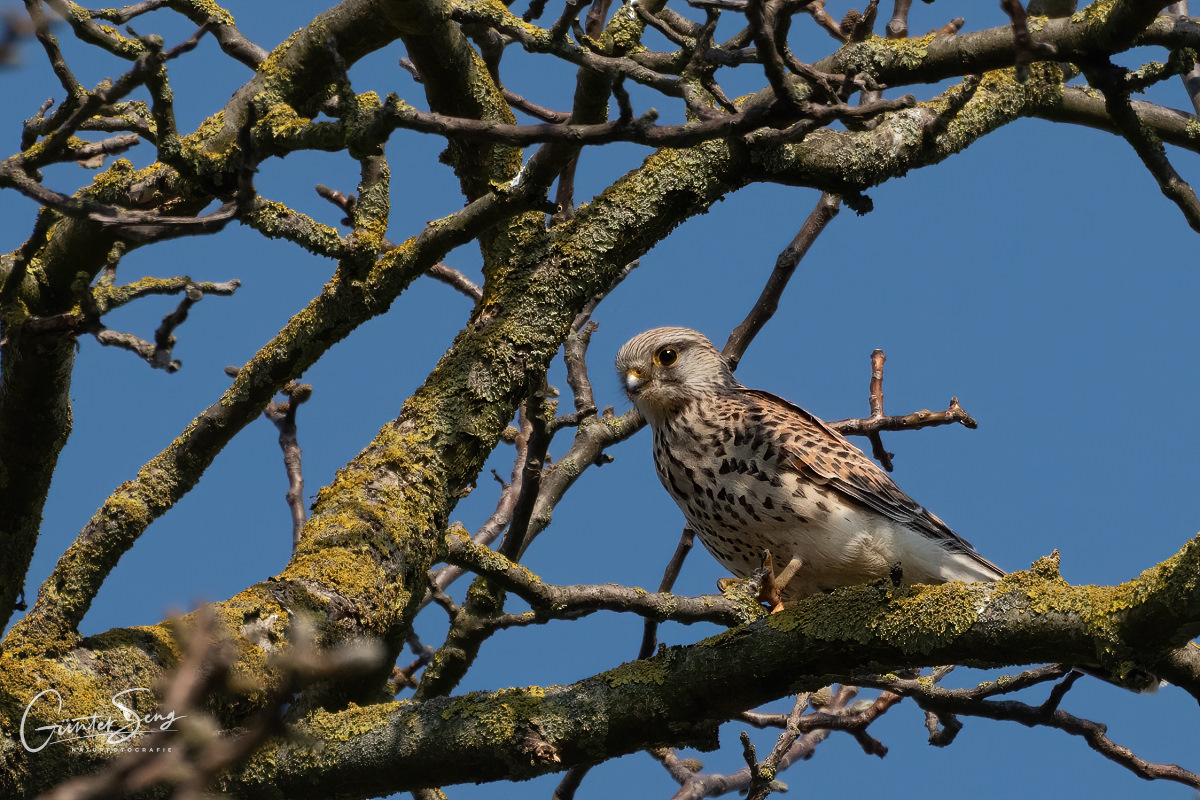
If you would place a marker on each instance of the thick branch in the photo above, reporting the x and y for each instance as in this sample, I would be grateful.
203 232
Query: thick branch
680 696
332 315
35 373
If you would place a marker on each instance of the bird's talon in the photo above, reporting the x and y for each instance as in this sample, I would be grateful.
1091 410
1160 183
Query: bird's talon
768 588
785 577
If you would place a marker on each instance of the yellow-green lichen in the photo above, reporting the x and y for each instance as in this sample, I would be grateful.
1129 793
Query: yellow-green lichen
650 671
352 722
1046 591
1192 128
998 99
923 619
497 716
625 33
908 53
355 574
203 11
278 120
1094 13
915 618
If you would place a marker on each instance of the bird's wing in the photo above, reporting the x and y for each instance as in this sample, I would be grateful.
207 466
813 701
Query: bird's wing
824 456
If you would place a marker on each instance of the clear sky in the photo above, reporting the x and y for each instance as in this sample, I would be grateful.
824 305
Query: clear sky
1039 276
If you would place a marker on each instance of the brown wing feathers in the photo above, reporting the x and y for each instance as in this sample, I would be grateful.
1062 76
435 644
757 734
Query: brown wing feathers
824 456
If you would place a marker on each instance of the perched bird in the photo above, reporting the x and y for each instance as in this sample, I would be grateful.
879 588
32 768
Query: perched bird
752 472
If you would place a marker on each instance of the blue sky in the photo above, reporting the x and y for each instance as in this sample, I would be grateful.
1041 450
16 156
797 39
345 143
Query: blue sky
1039 276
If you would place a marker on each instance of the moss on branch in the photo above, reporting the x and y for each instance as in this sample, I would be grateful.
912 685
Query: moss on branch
680 695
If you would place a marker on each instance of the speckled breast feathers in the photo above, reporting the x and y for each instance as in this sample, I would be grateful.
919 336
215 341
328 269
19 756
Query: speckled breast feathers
752 472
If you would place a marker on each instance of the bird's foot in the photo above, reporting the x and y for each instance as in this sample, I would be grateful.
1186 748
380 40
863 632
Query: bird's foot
774 583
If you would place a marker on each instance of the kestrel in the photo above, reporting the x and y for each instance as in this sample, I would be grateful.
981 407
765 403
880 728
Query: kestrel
752 472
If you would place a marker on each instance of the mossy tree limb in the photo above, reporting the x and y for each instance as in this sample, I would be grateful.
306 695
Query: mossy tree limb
680 695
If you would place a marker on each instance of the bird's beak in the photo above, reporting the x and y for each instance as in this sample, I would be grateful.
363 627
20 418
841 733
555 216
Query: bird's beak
634 381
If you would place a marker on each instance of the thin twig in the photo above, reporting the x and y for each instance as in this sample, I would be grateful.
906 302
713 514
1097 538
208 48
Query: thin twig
569 602
762 775
640 129
972 702
406 677
1110 80
488 532
897 27
156 354
284 417
785 265
570 783
455 279
906 422
533 109
1028 50
650 629
832 712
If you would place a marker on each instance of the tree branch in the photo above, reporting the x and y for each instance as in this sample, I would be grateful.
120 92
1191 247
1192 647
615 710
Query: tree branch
680 696
569 602
972 703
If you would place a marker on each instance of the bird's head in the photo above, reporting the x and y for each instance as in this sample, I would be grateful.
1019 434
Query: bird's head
665 369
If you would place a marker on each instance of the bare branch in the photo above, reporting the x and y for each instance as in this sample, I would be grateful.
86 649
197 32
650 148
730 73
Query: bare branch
1191 81
574 355
455 279
570 783
803 732
640 130
1028 50
156 354
818 12
972 702
918 419
650 630
897 27
284 417
1111 80
533 109
569 602
768 301
406 677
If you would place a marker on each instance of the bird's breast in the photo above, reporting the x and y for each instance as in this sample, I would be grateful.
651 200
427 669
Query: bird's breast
727 473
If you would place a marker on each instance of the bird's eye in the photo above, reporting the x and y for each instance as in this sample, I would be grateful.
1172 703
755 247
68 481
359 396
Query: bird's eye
666 357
